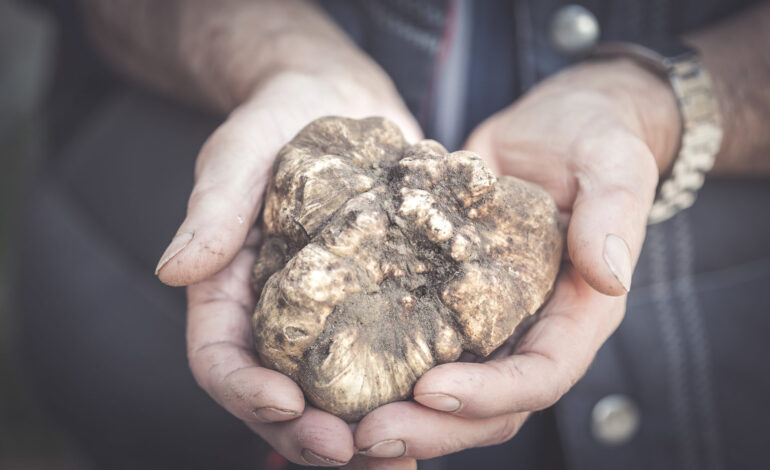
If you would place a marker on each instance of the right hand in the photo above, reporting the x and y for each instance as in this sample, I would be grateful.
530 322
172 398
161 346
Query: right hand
215 247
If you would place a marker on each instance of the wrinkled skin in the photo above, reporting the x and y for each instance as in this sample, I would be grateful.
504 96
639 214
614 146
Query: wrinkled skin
383 259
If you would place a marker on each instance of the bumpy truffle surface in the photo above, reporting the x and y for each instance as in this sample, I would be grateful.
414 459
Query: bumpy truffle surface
381 260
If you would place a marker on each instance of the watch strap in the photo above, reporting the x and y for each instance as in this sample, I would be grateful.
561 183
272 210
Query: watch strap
700 114
700 142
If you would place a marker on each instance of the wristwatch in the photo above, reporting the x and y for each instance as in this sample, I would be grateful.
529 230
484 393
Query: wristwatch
699 110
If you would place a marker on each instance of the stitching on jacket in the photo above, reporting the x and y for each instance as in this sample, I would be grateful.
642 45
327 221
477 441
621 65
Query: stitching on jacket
694 331
673 348
428 13
710 281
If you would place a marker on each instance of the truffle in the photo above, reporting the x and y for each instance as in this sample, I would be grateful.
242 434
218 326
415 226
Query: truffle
382 259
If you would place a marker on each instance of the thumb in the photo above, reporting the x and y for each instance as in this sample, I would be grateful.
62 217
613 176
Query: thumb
230 177
616 178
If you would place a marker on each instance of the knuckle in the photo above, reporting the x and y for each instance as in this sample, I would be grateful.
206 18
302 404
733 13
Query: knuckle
632 200
562 377
508 428
553 393
386 422
648 166
197 196
568 380
198 369
615 155
210 149
449 445
563 381
622 194
510 369
566 377
206 195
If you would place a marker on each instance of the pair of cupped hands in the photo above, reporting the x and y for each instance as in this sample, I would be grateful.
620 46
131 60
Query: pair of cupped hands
596 136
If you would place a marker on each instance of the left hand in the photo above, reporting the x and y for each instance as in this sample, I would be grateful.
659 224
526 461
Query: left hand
595 136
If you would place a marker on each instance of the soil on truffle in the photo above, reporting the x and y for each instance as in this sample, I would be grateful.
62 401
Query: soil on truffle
381 259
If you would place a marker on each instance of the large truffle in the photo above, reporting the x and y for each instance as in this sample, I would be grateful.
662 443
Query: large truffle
382 259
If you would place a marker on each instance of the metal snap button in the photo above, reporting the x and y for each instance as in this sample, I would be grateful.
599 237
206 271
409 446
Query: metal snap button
574 30
615 419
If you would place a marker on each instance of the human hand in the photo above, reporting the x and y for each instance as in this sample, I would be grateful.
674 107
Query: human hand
596 137
214 251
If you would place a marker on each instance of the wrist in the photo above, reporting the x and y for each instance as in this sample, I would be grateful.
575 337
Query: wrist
230 50
658 115
643 99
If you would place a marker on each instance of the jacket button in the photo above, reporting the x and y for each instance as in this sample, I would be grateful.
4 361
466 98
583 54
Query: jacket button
614 420
574 30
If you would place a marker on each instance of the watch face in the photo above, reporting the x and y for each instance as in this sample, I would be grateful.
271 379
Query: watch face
659 53
670 50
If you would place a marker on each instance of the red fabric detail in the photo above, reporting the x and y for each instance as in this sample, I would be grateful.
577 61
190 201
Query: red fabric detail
450 25
275 461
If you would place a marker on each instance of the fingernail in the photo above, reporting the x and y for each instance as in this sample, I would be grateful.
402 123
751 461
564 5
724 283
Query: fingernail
269 414
439 401
311 458
177 244
618 259
391 448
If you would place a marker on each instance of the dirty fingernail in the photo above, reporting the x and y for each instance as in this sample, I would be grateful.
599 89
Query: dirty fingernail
392 448
311 458
618 259
269 414
177 244
439 401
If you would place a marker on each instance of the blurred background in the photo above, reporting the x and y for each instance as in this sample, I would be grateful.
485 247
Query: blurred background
29 440
27 38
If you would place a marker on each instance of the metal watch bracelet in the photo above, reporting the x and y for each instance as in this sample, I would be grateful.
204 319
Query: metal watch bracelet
700 143
701 120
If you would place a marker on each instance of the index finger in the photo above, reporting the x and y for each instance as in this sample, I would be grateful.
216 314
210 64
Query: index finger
552 356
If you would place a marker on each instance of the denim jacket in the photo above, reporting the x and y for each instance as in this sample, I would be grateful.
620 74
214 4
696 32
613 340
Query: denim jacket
685 373
685 377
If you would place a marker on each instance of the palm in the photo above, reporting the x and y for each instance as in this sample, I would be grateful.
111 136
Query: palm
218 252
584 147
